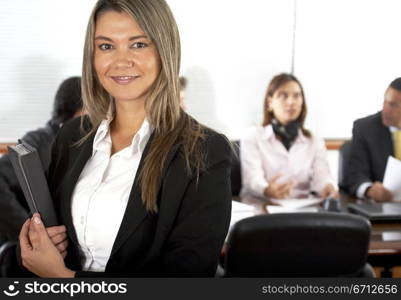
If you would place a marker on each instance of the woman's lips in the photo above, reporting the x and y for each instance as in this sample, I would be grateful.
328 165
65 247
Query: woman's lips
124 79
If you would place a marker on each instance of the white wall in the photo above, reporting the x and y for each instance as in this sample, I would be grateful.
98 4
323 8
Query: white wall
41 44
346 53
231 49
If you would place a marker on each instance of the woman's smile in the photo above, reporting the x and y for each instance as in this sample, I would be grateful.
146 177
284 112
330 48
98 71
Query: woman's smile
124 80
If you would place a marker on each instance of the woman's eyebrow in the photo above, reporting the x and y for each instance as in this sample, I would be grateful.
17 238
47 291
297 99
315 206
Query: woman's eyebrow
138 37
101 37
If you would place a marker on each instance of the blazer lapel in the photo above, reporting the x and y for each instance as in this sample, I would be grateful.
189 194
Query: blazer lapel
387 143
135 212
382 138
84 153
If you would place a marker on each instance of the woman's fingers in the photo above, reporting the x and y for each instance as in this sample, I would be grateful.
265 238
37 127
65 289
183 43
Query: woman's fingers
284 187
56 230
23 236
61 247
37 231
329 191
279 190
59 238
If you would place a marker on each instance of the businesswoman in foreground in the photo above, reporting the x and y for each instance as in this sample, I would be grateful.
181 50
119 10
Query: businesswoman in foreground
141 187
281 159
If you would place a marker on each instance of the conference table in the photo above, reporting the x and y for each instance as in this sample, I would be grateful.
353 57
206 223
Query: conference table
385 246
385 243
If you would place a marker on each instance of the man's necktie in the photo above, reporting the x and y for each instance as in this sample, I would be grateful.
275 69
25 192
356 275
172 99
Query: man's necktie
397 144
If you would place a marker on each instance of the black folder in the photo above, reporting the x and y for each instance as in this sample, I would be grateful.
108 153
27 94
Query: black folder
29 170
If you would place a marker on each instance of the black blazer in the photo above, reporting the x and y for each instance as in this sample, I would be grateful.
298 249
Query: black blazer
370 148
183 239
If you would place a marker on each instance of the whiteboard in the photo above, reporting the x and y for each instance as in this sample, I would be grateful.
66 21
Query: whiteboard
231 49
346 54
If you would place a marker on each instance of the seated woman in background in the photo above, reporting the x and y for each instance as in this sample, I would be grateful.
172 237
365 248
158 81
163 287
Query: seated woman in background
281 159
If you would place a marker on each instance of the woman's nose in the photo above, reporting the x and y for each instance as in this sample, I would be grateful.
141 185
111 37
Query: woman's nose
291 100
124 60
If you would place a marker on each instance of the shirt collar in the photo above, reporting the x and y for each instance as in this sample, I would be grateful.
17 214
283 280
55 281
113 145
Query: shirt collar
102 137
142 136
268 134
102 140
394 129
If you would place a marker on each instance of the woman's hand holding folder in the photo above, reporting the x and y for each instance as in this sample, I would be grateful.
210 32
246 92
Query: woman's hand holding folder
43 249
58 235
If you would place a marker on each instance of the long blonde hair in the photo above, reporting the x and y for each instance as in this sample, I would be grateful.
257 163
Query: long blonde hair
171 124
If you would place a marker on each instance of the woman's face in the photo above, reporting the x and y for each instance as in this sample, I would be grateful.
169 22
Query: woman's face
126 61
286 102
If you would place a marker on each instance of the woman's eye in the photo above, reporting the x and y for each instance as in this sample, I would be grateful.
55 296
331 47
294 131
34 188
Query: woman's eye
283 95
105 47
139 45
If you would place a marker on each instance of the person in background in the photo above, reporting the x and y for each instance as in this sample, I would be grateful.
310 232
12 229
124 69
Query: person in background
374 139
142 188
13 207
183 87
282 159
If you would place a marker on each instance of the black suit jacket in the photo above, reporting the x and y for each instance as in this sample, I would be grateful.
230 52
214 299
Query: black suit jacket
370 148
186 235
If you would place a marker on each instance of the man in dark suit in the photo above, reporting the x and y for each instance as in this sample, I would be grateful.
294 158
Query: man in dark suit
13 206
374 139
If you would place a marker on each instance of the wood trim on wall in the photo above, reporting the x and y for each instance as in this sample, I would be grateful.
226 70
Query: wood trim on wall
331 144
334 144
3 147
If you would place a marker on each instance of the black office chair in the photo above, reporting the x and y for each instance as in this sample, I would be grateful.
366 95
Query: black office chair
8 260
343 162
236 170
299 245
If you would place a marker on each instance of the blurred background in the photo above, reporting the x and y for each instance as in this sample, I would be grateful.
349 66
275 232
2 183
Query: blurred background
344 52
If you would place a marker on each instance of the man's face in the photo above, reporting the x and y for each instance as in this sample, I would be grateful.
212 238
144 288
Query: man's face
391 113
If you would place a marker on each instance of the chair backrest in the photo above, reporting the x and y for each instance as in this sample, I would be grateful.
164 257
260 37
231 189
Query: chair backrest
343 162
8 259
236 170
298 245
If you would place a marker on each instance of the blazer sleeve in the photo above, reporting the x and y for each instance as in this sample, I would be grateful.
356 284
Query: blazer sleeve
359 165
195 242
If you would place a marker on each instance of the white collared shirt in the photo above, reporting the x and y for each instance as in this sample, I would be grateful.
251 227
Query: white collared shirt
101 194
